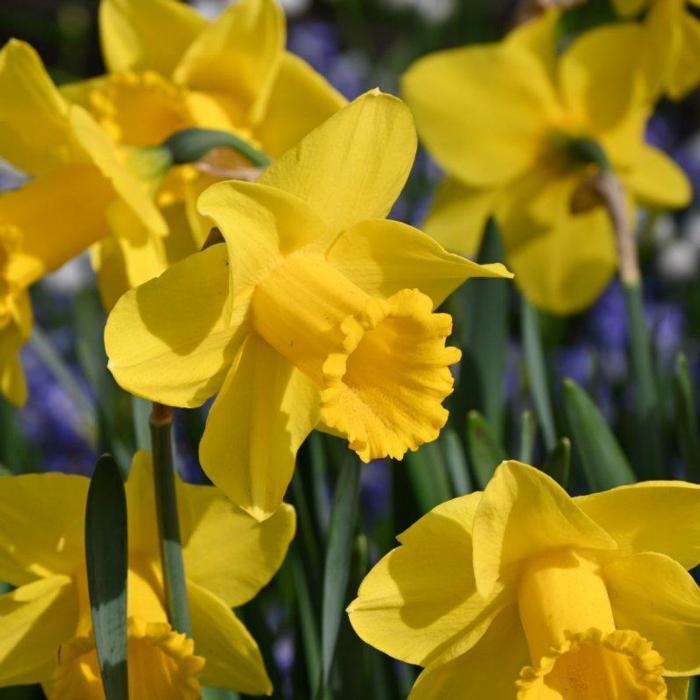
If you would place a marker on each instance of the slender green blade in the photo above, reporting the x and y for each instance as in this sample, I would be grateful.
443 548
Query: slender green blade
528 431
485 450
428 475
107 569
219 694
456 461
481 315
686 420
603 461
337 566
558 462
536 367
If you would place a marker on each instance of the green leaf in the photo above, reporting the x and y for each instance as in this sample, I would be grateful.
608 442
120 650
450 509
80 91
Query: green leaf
558 462
686 420
428 475
528 430
456 461
189 145
107 568
219 694
603 461
536 367
480 309
337 565
485 450
647 411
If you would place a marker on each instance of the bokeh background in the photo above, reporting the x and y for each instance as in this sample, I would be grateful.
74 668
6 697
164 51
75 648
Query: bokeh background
75 410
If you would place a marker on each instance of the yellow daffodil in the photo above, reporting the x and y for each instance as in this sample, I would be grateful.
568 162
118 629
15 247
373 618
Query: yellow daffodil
170 69
45 627
79 185
316 310
521 591
673 41
508 121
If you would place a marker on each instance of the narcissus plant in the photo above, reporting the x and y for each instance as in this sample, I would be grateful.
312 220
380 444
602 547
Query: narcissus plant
521 132
170 69
316 311
522 591
78 186
47 632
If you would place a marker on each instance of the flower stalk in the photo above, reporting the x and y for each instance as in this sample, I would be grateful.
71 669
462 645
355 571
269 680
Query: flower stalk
161 422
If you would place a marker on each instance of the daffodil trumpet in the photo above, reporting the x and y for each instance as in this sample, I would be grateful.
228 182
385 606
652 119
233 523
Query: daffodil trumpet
521 591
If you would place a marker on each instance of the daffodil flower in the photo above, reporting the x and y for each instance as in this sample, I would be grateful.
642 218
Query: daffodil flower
170 69
316 310
79 185
673 38
45 628
509 122
522 591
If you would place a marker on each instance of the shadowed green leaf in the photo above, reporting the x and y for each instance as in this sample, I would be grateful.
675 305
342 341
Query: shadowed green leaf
686 420
428 475
558 462
603 461
485 451
456 461
107 568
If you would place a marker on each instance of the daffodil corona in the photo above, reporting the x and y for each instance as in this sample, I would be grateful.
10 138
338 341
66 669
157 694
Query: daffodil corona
521 591
515 127
78 186
317 310
170 69
46 634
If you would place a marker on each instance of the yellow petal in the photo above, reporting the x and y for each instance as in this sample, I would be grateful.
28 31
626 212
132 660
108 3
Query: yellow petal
253 551
233 658
127 259
41 534
300 100
684 70
237 57
74 199
483 112
173 339
354 165
383 257
459 214
658 598
599 82
419 602
562 261
657 181
524 512
141 509
540 36
262 414
489 670
104 155
664 504
13 385
36 618
260 224
134 32
34 134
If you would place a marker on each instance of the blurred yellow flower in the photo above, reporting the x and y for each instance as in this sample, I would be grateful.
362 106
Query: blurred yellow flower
673 41
170 69
79 185
316 309
508 122
45 630
521 591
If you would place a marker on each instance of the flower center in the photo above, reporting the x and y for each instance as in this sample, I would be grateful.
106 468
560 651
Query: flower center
381 364
576 652
139 108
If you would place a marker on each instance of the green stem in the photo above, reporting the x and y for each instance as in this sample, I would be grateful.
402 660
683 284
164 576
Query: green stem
168 522
190 145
